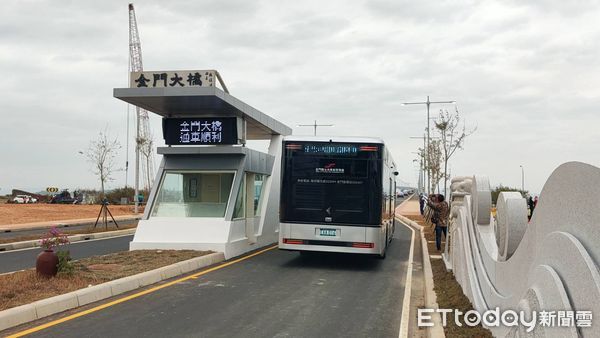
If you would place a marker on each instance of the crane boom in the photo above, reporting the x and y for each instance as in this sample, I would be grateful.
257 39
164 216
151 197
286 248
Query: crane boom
144 140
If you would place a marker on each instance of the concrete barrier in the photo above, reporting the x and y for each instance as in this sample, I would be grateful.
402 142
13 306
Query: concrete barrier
17 316
49 306
96 292
123 285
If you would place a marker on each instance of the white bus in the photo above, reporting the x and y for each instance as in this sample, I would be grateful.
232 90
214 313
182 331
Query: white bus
337 195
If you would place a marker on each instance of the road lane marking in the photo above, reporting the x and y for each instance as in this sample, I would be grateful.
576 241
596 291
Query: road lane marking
135 295
404 321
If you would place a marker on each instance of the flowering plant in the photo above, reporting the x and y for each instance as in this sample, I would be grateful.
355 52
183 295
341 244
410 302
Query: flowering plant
53 239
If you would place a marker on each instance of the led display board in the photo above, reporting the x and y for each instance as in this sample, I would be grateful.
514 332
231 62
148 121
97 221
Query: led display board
200 131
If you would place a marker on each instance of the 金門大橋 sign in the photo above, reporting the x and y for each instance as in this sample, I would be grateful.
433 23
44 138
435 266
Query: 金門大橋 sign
173 79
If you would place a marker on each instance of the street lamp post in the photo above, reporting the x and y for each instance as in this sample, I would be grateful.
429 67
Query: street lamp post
315 125
423 159
428 103
522 179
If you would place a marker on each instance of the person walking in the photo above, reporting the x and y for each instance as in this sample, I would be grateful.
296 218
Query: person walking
429 212
422 203
439 219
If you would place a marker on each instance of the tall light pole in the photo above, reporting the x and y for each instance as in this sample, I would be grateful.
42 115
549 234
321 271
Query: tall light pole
420 182
522 179
423 159
428 103
315 125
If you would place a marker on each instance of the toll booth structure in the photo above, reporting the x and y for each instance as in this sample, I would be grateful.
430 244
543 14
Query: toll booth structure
211 192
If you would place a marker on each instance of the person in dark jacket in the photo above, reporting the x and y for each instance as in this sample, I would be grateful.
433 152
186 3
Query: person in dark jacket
422 204
531 206
440 219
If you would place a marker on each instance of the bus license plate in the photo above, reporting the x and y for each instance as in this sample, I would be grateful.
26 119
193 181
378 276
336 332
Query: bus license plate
327 232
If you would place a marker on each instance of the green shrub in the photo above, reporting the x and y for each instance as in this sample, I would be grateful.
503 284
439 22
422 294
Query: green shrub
496 191
115 195
65 266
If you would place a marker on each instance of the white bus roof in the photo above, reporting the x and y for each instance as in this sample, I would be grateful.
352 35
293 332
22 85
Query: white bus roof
344 139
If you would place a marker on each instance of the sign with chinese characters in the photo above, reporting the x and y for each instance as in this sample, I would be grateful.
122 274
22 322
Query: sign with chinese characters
175 79
327 148
200 131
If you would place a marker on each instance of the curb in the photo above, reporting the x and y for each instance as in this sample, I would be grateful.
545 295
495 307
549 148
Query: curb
437 329
49 306
73 238
66 224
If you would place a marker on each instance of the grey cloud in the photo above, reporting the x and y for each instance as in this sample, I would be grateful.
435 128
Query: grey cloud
526 76
422 12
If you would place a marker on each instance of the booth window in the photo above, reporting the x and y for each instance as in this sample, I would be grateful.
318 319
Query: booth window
193 194
240 201
259 186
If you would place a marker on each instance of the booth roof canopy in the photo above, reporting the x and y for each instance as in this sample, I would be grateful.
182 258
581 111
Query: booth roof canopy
202 101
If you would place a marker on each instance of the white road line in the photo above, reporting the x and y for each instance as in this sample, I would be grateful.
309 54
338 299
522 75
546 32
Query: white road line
11 272
74 243
404 321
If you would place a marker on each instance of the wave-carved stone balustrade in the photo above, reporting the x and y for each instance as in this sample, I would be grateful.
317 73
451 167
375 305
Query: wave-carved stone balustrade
550 263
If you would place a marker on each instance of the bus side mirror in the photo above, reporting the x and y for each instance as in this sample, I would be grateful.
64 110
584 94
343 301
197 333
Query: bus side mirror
395 173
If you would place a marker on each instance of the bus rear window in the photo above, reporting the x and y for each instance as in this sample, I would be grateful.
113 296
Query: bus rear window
334 183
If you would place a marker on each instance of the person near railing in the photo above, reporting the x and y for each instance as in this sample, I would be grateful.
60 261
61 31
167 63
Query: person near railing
440 218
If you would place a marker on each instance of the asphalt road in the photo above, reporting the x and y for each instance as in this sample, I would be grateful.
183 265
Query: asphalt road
24 259
82 226
274 294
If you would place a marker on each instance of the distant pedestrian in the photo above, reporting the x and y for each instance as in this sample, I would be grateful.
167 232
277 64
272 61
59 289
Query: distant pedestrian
422 203
535 200
531 206
429 212
440 218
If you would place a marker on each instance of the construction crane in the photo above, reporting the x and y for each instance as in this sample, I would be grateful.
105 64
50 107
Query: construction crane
144 145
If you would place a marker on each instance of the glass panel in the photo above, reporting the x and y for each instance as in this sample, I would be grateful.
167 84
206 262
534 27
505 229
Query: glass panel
193 194
259 185
240 201
226 181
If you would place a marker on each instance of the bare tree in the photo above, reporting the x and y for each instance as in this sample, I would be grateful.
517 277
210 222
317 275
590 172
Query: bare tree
434 161
452 137
101 153
146 148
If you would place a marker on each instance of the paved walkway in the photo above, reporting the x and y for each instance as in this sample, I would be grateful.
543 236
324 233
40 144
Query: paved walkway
409 208
49 224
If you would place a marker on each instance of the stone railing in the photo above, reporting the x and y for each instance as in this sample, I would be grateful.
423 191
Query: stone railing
549 264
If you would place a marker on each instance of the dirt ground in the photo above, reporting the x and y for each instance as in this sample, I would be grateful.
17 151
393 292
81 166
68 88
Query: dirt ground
449 293
41 212
26 286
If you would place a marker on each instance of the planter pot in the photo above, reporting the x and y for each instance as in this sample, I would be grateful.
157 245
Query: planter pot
46 263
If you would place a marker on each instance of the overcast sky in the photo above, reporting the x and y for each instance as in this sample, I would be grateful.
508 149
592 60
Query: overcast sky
526 73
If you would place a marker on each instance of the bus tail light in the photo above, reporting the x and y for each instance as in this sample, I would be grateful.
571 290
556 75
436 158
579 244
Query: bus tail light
292 241
367 148
363 245
292 146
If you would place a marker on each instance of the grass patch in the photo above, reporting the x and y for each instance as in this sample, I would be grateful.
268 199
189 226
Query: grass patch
24 287
65 230
448 292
